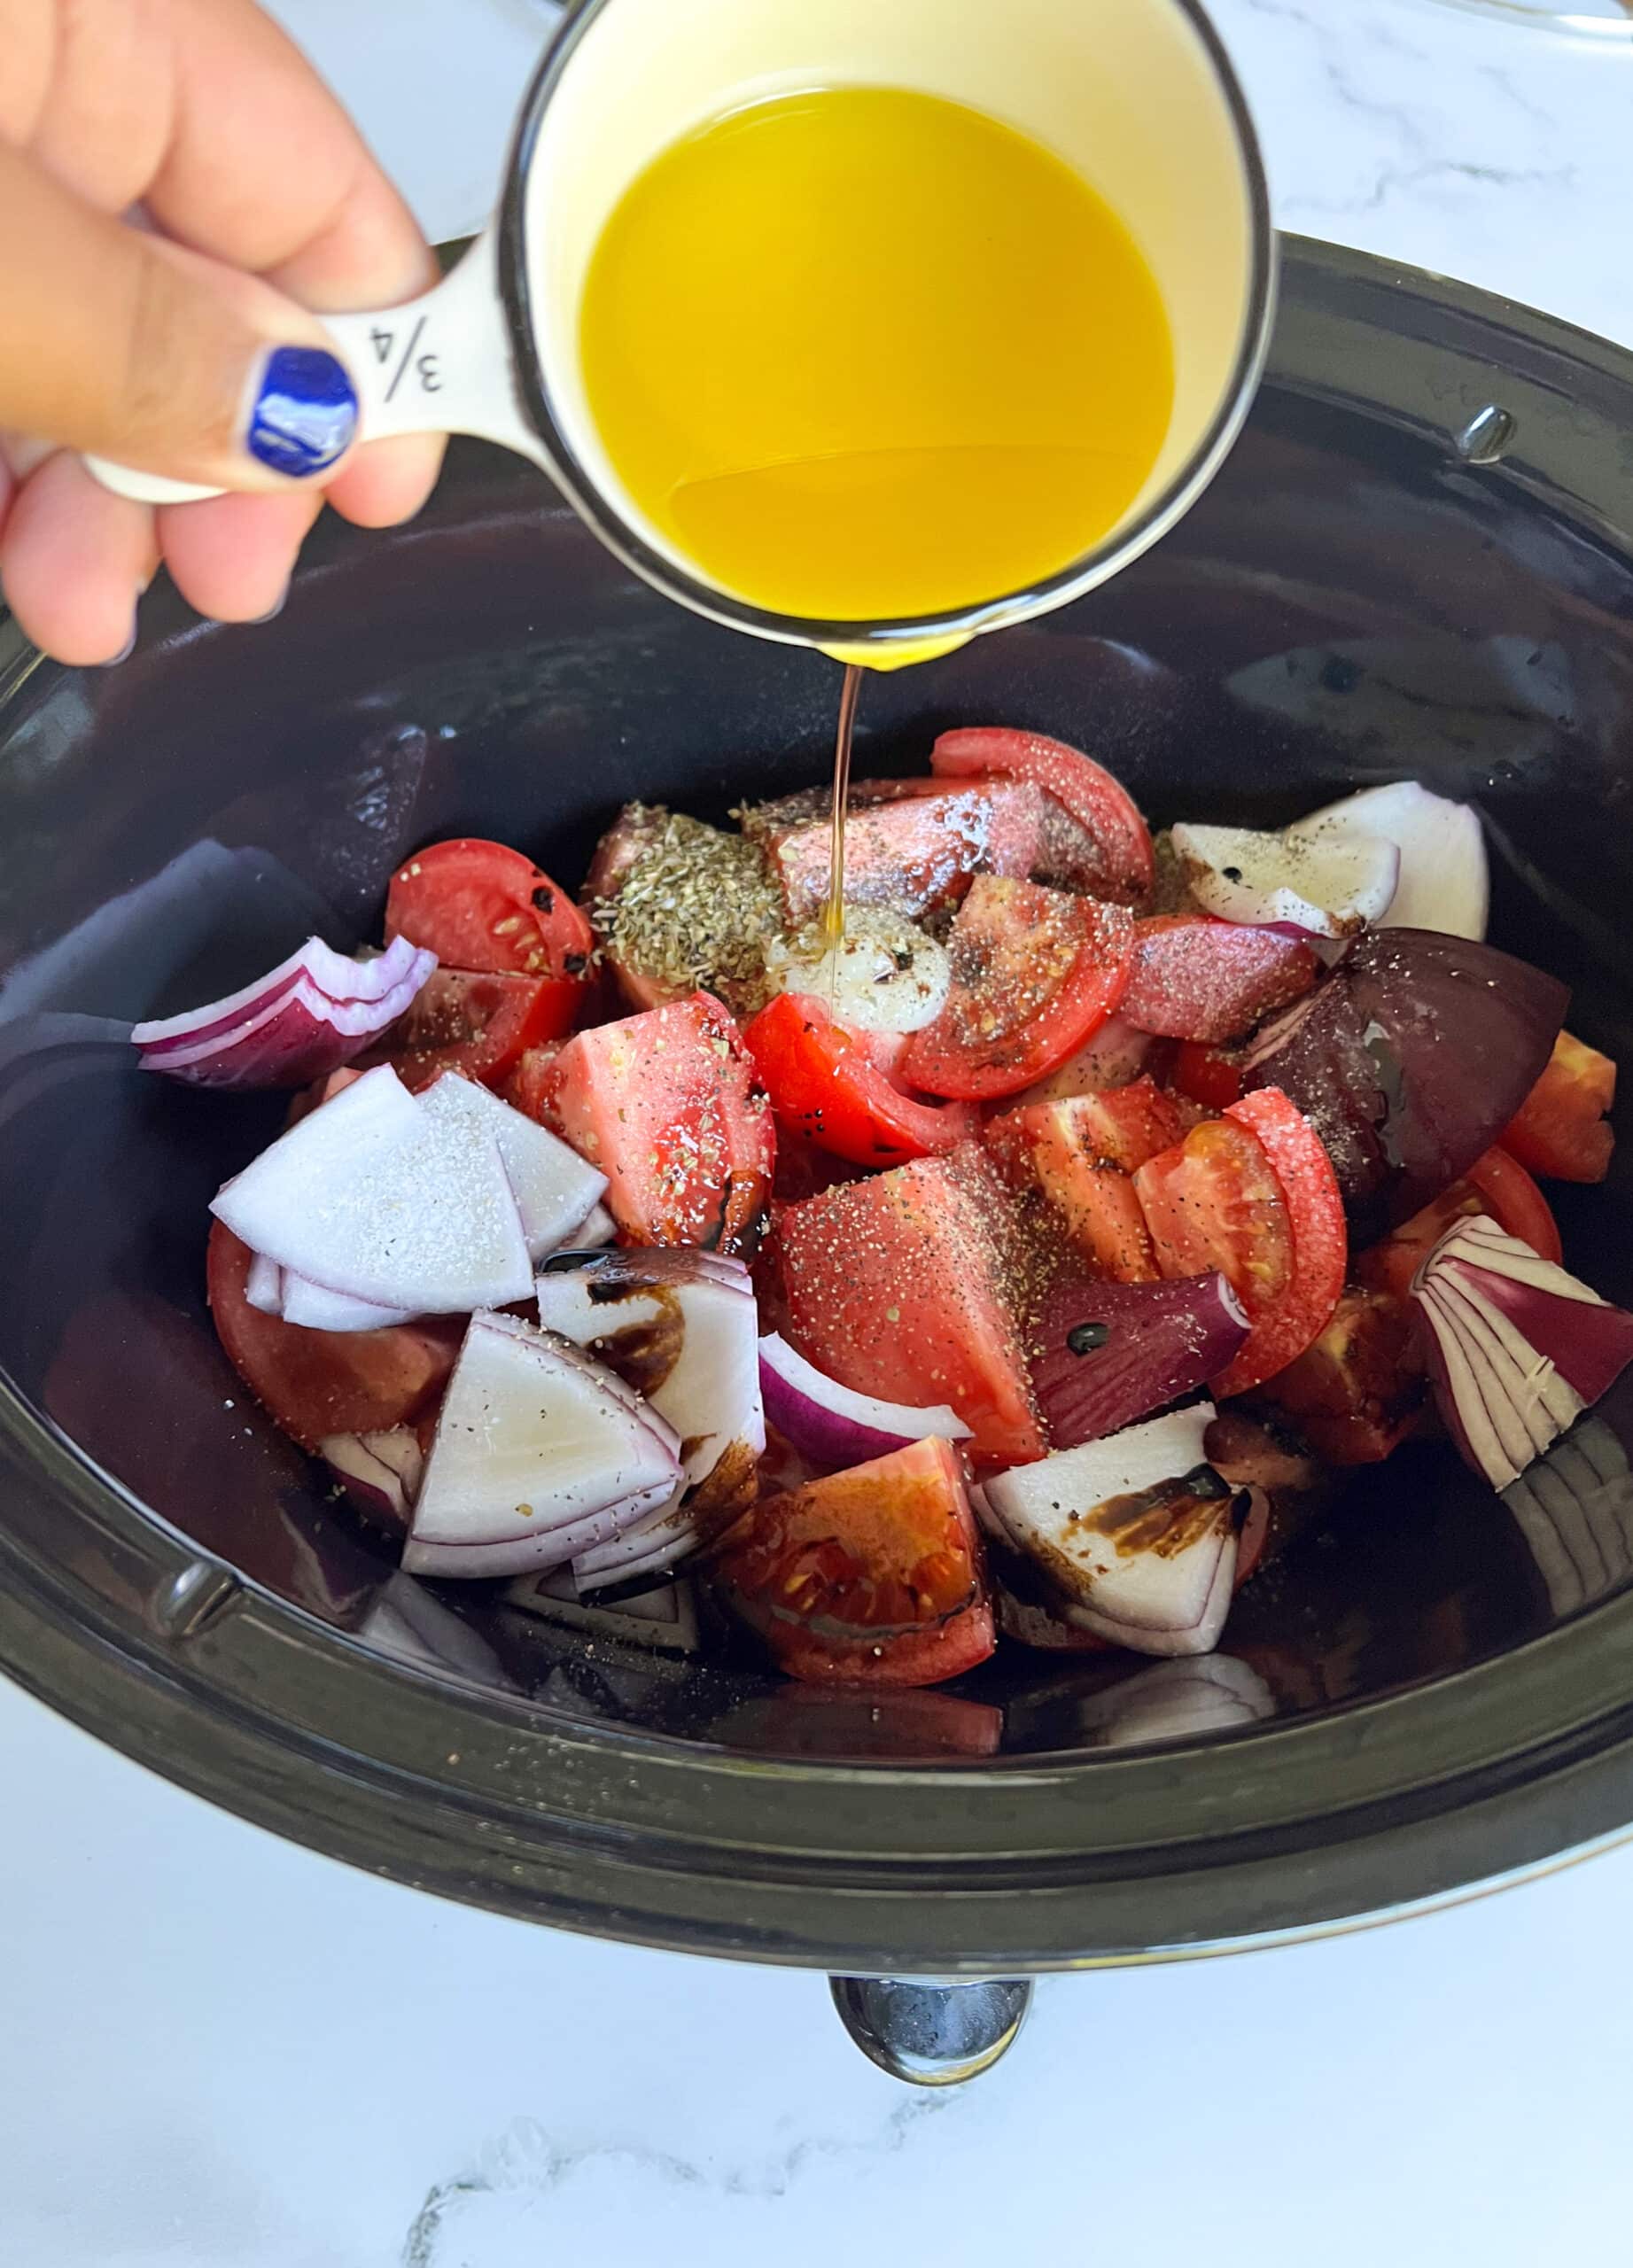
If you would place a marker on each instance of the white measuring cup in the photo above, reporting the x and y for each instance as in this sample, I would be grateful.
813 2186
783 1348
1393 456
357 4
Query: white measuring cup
1137 96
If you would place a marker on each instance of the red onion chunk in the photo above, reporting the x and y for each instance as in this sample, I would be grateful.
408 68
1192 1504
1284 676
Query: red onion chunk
554 1187
681 1326
1109 1354
316 1308
539 1453
1136 1536
1517 1347
1327 885
380 1472
662 1618
305 1018
834 1427
1408 1060
378 1198
1444 883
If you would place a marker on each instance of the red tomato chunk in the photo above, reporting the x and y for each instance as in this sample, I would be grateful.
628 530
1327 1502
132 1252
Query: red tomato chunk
901 1286
1198 979
869 1577
667 1106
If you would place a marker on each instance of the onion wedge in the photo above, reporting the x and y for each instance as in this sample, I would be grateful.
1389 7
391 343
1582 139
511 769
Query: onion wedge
304 1019
1136 1534
1444 880
539 1453
1517 1347
1325 885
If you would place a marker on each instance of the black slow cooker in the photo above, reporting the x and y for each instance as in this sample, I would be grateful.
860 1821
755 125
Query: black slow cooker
1417 562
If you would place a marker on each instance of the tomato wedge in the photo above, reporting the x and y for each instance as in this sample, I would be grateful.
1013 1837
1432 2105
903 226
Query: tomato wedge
1115 857
313 1383
527 1086
1034 972
1213 1201
481 906
1254 1194
913 851
1321 1240
825 1082
666 1104
1562 1131
868 1577
897 1286
1210 1075
1081 1152
1356 1390
1197 979
478 1024
1496 1184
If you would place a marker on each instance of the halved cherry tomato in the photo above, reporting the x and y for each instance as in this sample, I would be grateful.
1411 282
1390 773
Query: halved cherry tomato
313 1383
666 1104
1356 1390
1034 972
1197 979
1320 1239
1496 1184
478 1024
897 1287
1116 860
869 1577
826 1082
481 906
1562 1131
1210 1075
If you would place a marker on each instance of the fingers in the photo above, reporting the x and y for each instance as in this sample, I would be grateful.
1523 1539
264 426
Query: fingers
338 236
74 560
232 557
121 345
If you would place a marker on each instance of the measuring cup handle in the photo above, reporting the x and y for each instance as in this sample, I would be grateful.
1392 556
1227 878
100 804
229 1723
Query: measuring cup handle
441 363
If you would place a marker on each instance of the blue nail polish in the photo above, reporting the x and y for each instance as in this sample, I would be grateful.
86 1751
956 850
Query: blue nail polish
306 413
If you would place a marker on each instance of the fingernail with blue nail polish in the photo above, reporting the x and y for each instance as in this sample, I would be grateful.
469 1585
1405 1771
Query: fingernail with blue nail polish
306 413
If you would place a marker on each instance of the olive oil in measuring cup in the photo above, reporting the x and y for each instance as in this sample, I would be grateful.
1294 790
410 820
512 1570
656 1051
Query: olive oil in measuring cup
862 353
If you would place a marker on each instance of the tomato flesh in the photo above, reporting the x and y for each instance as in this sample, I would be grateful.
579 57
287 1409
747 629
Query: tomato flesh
828 1084
529 1085
478 1024
872 1576
1283 1330
1081 1151
1497 1186
1208 1076
314 1383
1194 978
1358 1388
1115 858
1561 1131
667 1106
896 1286
1035 972
481 906
918 850
1213 1201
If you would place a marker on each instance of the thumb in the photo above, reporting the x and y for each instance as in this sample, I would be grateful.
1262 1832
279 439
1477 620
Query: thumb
124 345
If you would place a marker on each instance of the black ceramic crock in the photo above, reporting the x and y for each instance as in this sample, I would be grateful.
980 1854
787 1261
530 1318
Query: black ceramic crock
1416 562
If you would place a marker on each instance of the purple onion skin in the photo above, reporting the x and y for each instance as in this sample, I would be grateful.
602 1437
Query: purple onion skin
1589 1346
1409 1062
822 1435
1161 1340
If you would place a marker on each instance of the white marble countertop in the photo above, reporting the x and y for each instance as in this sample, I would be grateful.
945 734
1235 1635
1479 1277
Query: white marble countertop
218 2051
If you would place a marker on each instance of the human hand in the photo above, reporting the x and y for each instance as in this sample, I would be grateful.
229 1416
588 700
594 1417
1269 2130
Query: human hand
158 346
